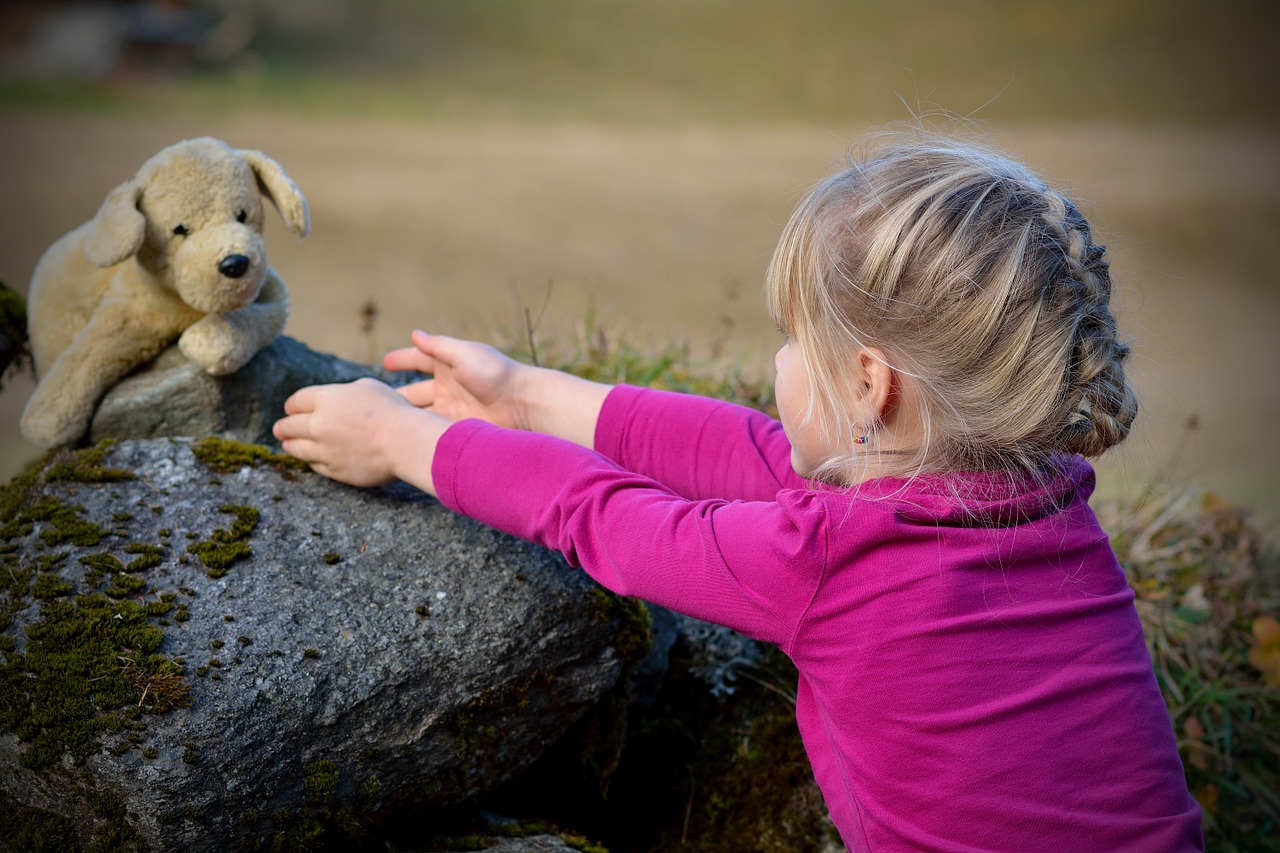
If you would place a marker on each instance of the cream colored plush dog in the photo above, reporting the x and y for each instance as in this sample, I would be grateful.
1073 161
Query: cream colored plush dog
174 253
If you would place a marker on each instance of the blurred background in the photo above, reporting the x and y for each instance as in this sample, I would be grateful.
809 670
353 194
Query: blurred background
477 168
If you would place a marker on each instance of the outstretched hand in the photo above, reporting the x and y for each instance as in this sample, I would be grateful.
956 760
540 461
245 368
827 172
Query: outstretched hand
362 433
469 379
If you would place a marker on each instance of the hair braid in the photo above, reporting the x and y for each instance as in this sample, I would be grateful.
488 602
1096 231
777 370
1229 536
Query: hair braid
987 295
1101 405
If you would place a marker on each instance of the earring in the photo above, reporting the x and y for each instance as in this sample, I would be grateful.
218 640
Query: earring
857 439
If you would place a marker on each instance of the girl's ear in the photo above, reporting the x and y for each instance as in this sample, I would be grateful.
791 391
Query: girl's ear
875 384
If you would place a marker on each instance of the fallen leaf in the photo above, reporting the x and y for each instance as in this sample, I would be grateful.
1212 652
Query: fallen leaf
1265 654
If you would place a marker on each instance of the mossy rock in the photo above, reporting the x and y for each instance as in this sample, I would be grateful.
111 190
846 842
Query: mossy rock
434 660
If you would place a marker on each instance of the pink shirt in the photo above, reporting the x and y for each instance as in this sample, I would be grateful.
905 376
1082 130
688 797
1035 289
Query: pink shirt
972 674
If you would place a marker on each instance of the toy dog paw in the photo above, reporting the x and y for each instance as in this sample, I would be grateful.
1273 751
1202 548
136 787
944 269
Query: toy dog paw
211 343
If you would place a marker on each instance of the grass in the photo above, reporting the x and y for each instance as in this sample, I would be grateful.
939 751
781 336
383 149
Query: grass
1207 592
588 350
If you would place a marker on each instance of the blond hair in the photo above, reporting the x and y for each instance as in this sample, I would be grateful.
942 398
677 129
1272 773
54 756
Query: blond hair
984 289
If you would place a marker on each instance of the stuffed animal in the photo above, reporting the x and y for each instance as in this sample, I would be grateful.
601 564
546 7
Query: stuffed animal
174 253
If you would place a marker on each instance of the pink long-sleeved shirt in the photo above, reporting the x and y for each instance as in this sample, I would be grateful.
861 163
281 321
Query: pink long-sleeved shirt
972 672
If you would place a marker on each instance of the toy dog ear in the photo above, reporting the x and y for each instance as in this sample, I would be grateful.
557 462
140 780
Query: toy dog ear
282 191
118 228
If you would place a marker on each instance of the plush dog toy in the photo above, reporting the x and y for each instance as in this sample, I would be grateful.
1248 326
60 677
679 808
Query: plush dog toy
174 253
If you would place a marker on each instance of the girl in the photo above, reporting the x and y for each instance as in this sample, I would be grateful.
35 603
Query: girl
914 533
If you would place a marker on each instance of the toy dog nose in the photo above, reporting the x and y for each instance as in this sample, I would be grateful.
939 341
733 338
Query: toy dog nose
233 266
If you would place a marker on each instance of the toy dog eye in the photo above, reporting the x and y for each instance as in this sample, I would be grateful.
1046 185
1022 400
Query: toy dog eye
181 230
241 216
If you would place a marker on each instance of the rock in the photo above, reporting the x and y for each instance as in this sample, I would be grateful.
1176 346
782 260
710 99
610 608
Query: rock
346 656
172 396
540 843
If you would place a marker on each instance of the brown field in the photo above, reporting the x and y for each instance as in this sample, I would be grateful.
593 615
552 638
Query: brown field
665 232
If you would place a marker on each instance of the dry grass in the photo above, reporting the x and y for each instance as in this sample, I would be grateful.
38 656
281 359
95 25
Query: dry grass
1205 585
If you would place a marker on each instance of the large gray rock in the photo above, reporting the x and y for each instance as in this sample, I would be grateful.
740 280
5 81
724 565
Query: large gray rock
174 396
373 653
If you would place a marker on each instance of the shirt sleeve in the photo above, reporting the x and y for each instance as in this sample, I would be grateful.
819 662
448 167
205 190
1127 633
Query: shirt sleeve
697 447
753 566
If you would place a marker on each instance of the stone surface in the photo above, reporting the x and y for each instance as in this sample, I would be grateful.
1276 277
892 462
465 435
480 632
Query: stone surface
172 396
414 657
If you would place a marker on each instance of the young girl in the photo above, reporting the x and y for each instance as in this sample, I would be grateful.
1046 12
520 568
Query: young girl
914 534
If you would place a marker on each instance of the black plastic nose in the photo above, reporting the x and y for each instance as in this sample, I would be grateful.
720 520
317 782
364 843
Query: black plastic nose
233 266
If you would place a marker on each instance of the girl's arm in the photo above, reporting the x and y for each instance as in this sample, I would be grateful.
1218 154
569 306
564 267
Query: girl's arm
753 566
700 447
697 446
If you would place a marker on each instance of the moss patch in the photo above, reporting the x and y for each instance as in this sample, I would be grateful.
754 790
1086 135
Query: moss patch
35 830
227 545
326 821
224 456
85 466
87 665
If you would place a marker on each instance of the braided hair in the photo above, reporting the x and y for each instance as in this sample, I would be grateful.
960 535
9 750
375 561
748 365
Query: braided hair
984 289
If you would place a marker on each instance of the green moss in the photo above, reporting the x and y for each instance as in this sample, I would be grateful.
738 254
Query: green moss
634 637
311 653
190 753
27 828
149 556
227 545
332 557
125 585
85 660
84 466
323 821
578 842
475 722
224 456
50 586
368 791
319 780
88 668
66 525
157 608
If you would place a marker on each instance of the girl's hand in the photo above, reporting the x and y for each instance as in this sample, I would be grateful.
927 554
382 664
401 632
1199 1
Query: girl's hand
362 433
473 380
470 380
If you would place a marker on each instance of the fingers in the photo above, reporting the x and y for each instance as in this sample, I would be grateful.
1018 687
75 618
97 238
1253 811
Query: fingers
421 394
409 358
427 351
290 428
302 400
